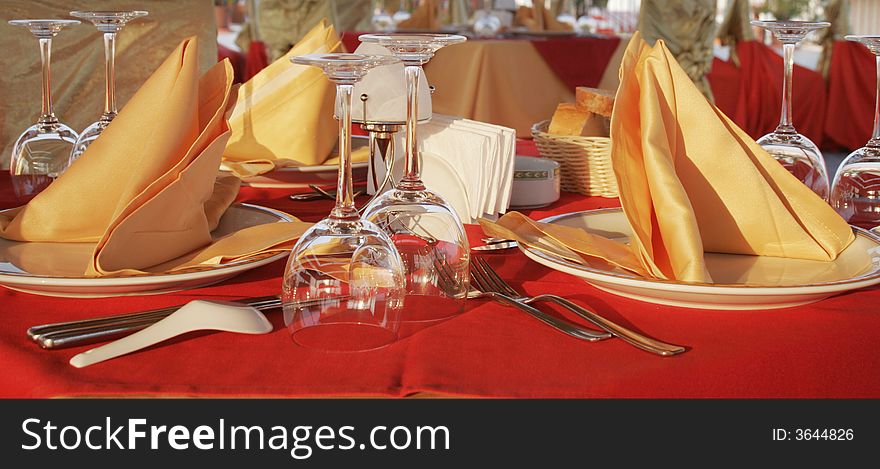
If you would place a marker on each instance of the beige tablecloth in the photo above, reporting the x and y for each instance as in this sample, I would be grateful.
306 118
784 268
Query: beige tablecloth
505 82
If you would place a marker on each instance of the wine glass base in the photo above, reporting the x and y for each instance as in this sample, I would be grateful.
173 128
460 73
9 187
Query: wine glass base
801 157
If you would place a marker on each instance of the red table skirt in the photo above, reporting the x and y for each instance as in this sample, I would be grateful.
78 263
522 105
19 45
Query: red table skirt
852 93
828 349
751 95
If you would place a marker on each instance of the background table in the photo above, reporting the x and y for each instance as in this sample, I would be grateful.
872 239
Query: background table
517 82
828 349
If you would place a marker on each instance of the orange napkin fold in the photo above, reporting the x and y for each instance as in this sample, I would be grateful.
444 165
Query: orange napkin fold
692 182
283 116
538 18
147 192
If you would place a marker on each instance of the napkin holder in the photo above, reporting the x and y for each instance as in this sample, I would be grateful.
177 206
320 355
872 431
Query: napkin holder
382 109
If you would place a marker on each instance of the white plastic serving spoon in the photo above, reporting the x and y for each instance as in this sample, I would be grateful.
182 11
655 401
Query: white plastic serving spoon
194 316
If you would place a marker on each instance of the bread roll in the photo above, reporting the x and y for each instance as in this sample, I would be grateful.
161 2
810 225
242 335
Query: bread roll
571 121
568 120
594 100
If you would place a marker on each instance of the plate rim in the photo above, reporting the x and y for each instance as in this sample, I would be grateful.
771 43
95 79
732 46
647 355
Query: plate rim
149 279
870 278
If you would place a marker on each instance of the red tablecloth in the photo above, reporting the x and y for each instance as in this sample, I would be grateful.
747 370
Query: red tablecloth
755 103
578 61
828 349
852 91
257 59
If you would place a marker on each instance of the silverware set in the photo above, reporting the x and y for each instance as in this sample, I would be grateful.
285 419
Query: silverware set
485 283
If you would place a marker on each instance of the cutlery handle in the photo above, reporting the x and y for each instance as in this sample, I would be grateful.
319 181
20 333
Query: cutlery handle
37 332
88 336
556 323
645 343
158 332
103 329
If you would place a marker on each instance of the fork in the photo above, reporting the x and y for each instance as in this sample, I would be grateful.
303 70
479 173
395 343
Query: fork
495 283
446 281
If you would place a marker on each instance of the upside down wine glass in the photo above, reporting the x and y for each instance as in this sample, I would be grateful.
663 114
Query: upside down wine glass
40 153
343 285
855 193
425 229
109 23
797 153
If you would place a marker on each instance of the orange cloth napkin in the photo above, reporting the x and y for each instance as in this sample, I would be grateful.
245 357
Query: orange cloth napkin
538 18
283 116
147 191
691 182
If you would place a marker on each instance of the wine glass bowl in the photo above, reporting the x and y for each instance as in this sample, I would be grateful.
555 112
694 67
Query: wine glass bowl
40 153
343 287
797 153
109 23
426 230
801 157
855 192
355 273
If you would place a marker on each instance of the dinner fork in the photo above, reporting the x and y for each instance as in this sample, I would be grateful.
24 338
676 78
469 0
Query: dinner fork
493 282
445 280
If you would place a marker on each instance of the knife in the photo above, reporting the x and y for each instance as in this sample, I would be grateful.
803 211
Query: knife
496 246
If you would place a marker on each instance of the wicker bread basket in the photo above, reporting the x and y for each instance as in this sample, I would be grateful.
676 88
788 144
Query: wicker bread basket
585 162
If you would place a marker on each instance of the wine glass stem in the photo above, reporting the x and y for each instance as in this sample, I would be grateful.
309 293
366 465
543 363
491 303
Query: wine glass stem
412 177
875 137
47 114
785 125
344 208
109 76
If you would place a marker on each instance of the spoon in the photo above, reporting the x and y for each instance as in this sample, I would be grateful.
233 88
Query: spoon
194 316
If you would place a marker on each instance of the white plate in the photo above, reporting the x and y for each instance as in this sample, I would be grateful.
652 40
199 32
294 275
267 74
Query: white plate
299 177
64 277
741 282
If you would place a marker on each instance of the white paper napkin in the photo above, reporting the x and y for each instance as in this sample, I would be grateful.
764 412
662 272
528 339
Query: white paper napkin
481 155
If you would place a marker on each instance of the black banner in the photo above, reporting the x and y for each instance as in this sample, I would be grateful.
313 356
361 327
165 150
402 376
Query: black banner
398 433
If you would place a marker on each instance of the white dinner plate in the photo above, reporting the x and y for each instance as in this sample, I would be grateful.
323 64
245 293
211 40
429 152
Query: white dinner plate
742 282
55 269
299 177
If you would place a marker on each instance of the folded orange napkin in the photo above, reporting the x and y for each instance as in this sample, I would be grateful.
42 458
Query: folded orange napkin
690 182
283 116
147 192
538 18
